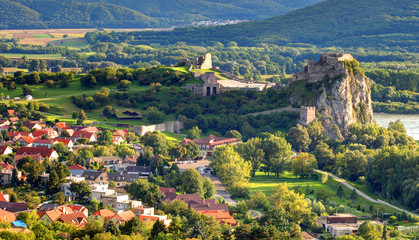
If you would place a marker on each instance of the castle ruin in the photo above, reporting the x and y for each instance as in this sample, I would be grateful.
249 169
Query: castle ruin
330 64
307 115
202 62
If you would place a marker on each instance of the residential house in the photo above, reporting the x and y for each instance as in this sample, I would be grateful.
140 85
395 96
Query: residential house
33 125
91 136
6 216
54 214
340 224
67 142
131 159
142 171
117 140
105 213
49 153
120 132
37 157
4 197
25 141
60 126
122 217
95 177
4 122
14 120
6 175
10 113
220 216
43 143
14 136
5 150
139 209
78 208
90 129
77 218
117 201
154 218
99 190
65 187
50 132
76 170
121 178
14 206
208 145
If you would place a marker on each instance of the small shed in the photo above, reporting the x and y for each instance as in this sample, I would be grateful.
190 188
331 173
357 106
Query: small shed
19 223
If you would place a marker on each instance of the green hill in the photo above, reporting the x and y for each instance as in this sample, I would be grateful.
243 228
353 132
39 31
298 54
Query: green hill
333 22
21 16
135 14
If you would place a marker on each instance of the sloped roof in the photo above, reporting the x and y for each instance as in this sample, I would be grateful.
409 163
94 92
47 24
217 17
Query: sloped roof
10 216
106 213
19 223
63 140
13 206
43 141
44 152
124 216
77 218
28 140
76 167
61 125
3 149
53 214
6 165
2 198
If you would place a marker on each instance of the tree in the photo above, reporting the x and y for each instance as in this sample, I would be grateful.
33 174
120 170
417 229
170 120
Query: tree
304 164
230 166
252 152
53 184
192 182
65 133
233 134
148 192
209 188
105 137
60 198
158 227
324 156
110 227
124 85
155 116
29 218
299 138
26 90
33 168
11 86
157 141
130 137
82 115
81 189
194 132
132 226
15 180
369 232
277 153
316 133
192 150
354 195
340 193
323 194
397 126
112 184
109 111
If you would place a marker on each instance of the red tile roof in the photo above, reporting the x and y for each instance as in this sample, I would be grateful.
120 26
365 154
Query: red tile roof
90 129
43 141
83 134
13 134
123 216
6 166
61 125
63 140
2 198
28 140
76 167
43 151
42 132
7 216
33 156
11 112
106 213
3 149
220 216
77 218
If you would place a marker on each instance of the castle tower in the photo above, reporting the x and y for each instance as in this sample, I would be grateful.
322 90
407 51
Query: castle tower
307 115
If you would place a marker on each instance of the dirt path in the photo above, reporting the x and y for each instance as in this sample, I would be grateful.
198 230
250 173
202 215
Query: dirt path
346 184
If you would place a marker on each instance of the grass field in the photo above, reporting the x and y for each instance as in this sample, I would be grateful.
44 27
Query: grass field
266 184
173 137
42 35
32 56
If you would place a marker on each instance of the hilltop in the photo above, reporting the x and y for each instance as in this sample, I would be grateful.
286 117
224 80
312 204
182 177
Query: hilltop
131 14
333 22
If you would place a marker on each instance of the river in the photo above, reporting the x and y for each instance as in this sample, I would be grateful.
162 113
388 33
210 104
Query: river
410 121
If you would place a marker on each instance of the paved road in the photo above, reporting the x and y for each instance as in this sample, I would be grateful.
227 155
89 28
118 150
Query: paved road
221 189
346 184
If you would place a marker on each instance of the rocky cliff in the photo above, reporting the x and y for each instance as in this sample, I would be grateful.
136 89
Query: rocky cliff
339 90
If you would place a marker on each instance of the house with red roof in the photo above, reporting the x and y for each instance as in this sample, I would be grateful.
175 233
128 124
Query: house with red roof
122 217
208 145
4 122
6 216
120 132
37 157
105 213
43 143
77 218
154 218
50 132
10 113
32 125
26 141
60 126
14 136
220 216
5 150
91 136
90 129
4 165
117 139
14 120
3 198
49 153
67 142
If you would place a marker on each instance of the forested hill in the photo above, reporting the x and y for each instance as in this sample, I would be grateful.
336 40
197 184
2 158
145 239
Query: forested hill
333 22
135 14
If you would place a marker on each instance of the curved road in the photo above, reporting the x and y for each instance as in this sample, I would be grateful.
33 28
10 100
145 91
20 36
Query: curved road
346 184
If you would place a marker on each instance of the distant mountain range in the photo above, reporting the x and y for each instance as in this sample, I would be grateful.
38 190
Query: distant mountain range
135 13
330 23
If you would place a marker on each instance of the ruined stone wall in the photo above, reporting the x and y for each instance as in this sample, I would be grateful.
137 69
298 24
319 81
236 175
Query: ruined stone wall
307 115
173 126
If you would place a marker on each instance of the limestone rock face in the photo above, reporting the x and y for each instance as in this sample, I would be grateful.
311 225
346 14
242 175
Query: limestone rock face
338 89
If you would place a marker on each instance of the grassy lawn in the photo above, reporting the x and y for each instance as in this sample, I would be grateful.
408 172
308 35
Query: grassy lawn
266 184
42 35
74 43
174 137
32 56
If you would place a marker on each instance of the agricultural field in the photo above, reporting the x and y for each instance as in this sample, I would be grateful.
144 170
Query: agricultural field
32 56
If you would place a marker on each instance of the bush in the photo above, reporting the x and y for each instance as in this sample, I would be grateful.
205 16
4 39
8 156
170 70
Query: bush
324 177
155 117
238 189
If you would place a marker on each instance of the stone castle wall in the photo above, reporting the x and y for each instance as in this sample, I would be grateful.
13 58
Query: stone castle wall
173 126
